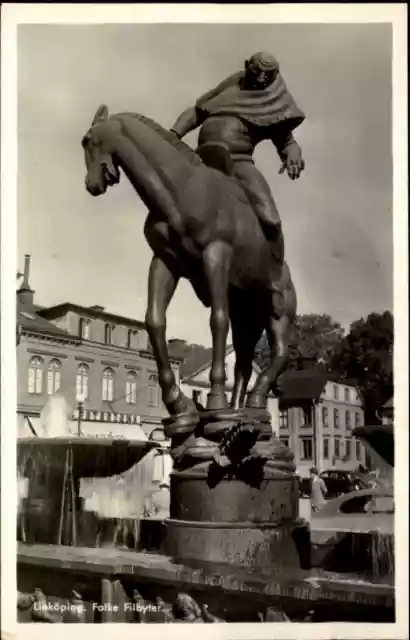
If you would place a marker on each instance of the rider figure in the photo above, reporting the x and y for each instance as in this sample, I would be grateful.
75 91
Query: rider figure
246 108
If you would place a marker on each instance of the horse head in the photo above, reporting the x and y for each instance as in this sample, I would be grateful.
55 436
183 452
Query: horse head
98 145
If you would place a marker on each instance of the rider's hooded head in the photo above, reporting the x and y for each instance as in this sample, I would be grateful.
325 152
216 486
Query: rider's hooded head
260 71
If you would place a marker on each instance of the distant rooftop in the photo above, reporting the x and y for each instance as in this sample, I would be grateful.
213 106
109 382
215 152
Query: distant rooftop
29 320
300 386
194 357
95 311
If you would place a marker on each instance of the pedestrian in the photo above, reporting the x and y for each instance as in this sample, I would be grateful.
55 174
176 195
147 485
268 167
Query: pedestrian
318 491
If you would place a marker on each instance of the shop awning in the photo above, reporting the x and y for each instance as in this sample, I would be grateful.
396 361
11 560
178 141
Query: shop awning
31 426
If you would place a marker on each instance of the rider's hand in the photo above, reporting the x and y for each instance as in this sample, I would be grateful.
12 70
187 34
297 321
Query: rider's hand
294 163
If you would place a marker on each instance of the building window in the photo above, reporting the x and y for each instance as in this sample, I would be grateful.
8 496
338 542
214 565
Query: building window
131 388
283 419
357 420
336 418
325 416
85 328
337 448
326 448
348 452
347 395
335 392
131 334
108 385
153 390
108 332
285 441
358 450
348 421
35 375
81 381
307 448
53 377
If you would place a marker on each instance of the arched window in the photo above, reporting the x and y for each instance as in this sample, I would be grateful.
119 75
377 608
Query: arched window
53 377
108 385
35 375
153 395
81 381
131 388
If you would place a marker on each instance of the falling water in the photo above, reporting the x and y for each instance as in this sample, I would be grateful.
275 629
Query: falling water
120 496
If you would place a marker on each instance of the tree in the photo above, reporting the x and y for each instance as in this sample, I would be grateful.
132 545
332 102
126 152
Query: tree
366 356
313 336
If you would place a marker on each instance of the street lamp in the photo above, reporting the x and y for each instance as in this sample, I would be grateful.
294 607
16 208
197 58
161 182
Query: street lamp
80 399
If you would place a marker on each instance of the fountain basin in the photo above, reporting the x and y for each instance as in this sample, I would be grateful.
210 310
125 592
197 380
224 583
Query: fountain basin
52 512
92 457
109 576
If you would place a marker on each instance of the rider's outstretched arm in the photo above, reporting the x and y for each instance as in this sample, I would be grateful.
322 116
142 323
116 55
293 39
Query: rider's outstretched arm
187 121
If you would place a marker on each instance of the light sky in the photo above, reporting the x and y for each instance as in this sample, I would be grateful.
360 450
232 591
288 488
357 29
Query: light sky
337 218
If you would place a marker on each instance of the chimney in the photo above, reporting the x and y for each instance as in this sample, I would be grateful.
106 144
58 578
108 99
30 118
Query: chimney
26 293
97 307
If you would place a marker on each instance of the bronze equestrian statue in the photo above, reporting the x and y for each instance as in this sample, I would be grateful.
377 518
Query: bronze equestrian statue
246 108
211 220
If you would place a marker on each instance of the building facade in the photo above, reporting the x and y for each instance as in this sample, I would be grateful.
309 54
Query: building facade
99 362
316 418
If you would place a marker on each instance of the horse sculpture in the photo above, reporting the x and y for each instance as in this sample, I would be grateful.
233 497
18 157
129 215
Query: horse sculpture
201 227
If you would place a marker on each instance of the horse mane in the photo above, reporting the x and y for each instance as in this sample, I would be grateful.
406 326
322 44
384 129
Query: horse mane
170 137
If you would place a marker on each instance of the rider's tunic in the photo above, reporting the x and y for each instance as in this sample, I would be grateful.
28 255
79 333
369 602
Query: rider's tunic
240 119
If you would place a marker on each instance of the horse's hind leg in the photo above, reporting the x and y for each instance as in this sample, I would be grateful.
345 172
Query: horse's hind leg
244 338
161 287
277 332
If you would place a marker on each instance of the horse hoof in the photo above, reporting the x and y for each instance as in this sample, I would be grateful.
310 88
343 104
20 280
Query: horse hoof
216 401
182 405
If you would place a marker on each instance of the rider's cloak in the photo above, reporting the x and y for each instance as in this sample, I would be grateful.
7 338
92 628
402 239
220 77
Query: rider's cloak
263 107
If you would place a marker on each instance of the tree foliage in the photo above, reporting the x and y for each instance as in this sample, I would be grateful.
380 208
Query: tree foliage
366 356
313 336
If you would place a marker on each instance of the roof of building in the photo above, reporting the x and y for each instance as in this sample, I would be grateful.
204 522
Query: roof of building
302 385
29 320
194 357
94 311
334 376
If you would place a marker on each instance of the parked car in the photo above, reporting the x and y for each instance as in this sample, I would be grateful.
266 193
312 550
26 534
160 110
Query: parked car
340 481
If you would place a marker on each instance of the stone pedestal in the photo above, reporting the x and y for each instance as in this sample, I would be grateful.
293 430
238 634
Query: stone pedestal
234 494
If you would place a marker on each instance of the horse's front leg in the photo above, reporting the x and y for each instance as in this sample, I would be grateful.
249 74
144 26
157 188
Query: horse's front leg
161 287
217 262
